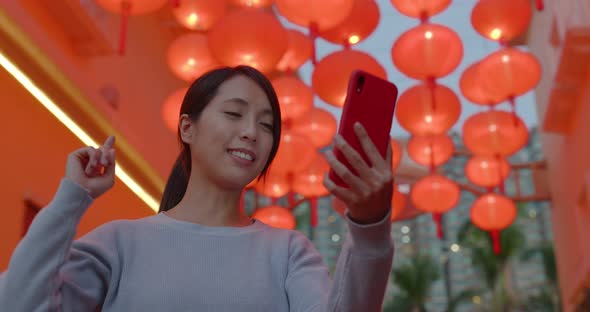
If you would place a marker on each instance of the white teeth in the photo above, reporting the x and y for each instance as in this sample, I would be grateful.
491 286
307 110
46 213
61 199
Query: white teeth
241 155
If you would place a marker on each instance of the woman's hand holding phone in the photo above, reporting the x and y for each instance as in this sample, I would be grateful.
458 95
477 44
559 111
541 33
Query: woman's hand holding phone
368 196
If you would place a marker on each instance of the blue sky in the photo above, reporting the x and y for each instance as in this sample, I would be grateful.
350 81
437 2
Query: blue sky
391 25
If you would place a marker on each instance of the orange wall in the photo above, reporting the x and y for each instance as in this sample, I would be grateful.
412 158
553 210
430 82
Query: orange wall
34 150
568 155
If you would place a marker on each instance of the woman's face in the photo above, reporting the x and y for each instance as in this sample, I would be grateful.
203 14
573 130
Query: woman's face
231 141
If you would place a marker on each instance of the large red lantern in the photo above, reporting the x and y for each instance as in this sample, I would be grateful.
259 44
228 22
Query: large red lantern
428 109
299 48
359 24
189 56
396 154
127 8
494 133
295 97
427 51
251 3
295 153
309 182
276 216
249 37
199 14
487 171
322 15
330 76
431 150
510 72
274 185
501 20
171 109
318 125
472 87
420 8
435 194
493 212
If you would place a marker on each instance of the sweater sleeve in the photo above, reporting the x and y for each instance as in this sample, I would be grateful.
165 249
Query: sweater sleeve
48 271
361 275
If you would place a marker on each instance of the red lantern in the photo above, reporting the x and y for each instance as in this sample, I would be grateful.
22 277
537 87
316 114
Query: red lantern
359 24
299 48
331 74
427 51
471 85
127 8
295 97
274 185
420 8
199 14
510 72
428 110
318 125
323 14
251 3
275 216
436 194
431 150
189 56
494 133
295 153
249 37
310 181
396 154
171 109
487 171
493 212
501 20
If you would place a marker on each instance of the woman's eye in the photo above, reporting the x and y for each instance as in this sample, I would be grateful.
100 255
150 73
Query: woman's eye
233 114
267 126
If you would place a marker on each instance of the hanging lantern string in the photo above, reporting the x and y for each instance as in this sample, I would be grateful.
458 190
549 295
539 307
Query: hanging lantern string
431 82
495 234
125 12
424 17
512 102
437 218
432 165
313 34
501 184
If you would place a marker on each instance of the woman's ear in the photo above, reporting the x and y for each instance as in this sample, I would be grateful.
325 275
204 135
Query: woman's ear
185 126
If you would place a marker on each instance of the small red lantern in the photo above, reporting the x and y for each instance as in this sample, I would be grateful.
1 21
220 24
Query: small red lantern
299 48
248 37
275 216
501 20
199 14
322 15
431 150
472 87
435 194
494 133
493 212
309 182
427 51
331 74
171 109
189 56
295 97
428 110
487 171
359 24
318 125
420 9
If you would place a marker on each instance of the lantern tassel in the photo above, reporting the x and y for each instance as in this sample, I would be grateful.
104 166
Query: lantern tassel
313 216
495 234
125 12
540 5
313 33
291 199
437 218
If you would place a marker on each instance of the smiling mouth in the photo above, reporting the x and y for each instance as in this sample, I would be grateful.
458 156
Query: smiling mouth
242 154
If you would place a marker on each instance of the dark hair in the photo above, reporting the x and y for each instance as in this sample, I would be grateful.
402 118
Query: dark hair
198 96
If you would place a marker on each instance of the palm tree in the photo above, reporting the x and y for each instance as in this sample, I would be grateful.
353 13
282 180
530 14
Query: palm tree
414 280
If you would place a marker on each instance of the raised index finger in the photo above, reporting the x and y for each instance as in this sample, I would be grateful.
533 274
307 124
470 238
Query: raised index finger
108 144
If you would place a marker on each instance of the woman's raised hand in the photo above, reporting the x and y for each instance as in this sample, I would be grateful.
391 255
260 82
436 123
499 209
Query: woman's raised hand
93 168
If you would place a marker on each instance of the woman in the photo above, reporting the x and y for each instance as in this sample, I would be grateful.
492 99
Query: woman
200 253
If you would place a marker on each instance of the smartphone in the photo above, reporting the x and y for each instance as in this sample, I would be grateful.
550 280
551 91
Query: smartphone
371 101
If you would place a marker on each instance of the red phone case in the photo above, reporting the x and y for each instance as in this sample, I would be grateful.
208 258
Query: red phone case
371 101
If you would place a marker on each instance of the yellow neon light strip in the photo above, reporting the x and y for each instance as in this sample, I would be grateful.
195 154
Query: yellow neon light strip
30 86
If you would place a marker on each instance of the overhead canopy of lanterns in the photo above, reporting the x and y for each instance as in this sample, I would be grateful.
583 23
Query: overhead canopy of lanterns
232 32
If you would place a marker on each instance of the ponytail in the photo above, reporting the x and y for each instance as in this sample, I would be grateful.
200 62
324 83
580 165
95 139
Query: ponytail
177 182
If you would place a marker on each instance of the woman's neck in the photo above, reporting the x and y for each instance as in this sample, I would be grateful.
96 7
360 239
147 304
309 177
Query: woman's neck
207 204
